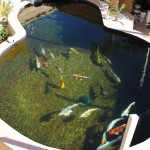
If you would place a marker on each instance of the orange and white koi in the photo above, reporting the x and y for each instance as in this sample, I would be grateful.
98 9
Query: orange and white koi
103 141
59 69
117 130
38 65
79 76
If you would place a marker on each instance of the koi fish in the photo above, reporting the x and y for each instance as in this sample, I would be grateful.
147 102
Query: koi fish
116 77
109 144
42 51
108 60
103 141
112 123
88 112
97 55
126 111
31 30
51 54
73 50
79 76
62 84
44 63
117 130
59 69
38 65
67 111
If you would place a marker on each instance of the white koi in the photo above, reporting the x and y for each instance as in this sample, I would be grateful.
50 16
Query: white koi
103 141
88 112
67 111
51 54
108 144
42 50
126 111
112 123
38 65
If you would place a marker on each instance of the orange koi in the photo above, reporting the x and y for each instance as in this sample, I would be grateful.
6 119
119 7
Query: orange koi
117 130
79 76
44 63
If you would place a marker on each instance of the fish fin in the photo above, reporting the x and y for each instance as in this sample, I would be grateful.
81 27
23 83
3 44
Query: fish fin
117 133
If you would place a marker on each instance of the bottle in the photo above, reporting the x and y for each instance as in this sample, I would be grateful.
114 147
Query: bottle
143 14
148 16
136 11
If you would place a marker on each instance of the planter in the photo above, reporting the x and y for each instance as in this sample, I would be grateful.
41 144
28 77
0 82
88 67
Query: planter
2 41
129 4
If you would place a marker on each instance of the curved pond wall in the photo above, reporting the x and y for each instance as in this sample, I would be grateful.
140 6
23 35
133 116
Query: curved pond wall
15 28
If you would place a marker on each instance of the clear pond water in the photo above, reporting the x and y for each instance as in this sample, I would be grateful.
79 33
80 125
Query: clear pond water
33 98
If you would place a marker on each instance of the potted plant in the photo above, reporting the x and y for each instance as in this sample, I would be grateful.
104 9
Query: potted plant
5 8
3 33
115 9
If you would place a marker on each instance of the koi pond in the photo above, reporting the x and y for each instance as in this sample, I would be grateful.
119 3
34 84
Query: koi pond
68 83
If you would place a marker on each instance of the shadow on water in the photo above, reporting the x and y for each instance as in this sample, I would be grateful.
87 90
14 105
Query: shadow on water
48 117
65 98
104 117
36 52
48 85
46 90
66 55
31 63
92 140
92 93
68 119
45 41
44 73
92 105
54 86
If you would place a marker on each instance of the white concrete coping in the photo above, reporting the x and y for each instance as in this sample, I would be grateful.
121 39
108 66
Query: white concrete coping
141 146
17 141
124 25
129 131
128 135
16 27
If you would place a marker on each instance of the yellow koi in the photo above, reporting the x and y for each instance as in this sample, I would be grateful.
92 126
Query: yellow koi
73 50
62 84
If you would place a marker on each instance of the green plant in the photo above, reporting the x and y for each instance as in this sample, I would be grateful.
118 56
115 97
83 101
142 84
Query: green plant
5 8
115 8
3 33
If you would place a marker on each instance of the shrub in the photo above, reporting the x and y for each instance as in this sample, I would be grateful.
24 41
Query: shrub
3 33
